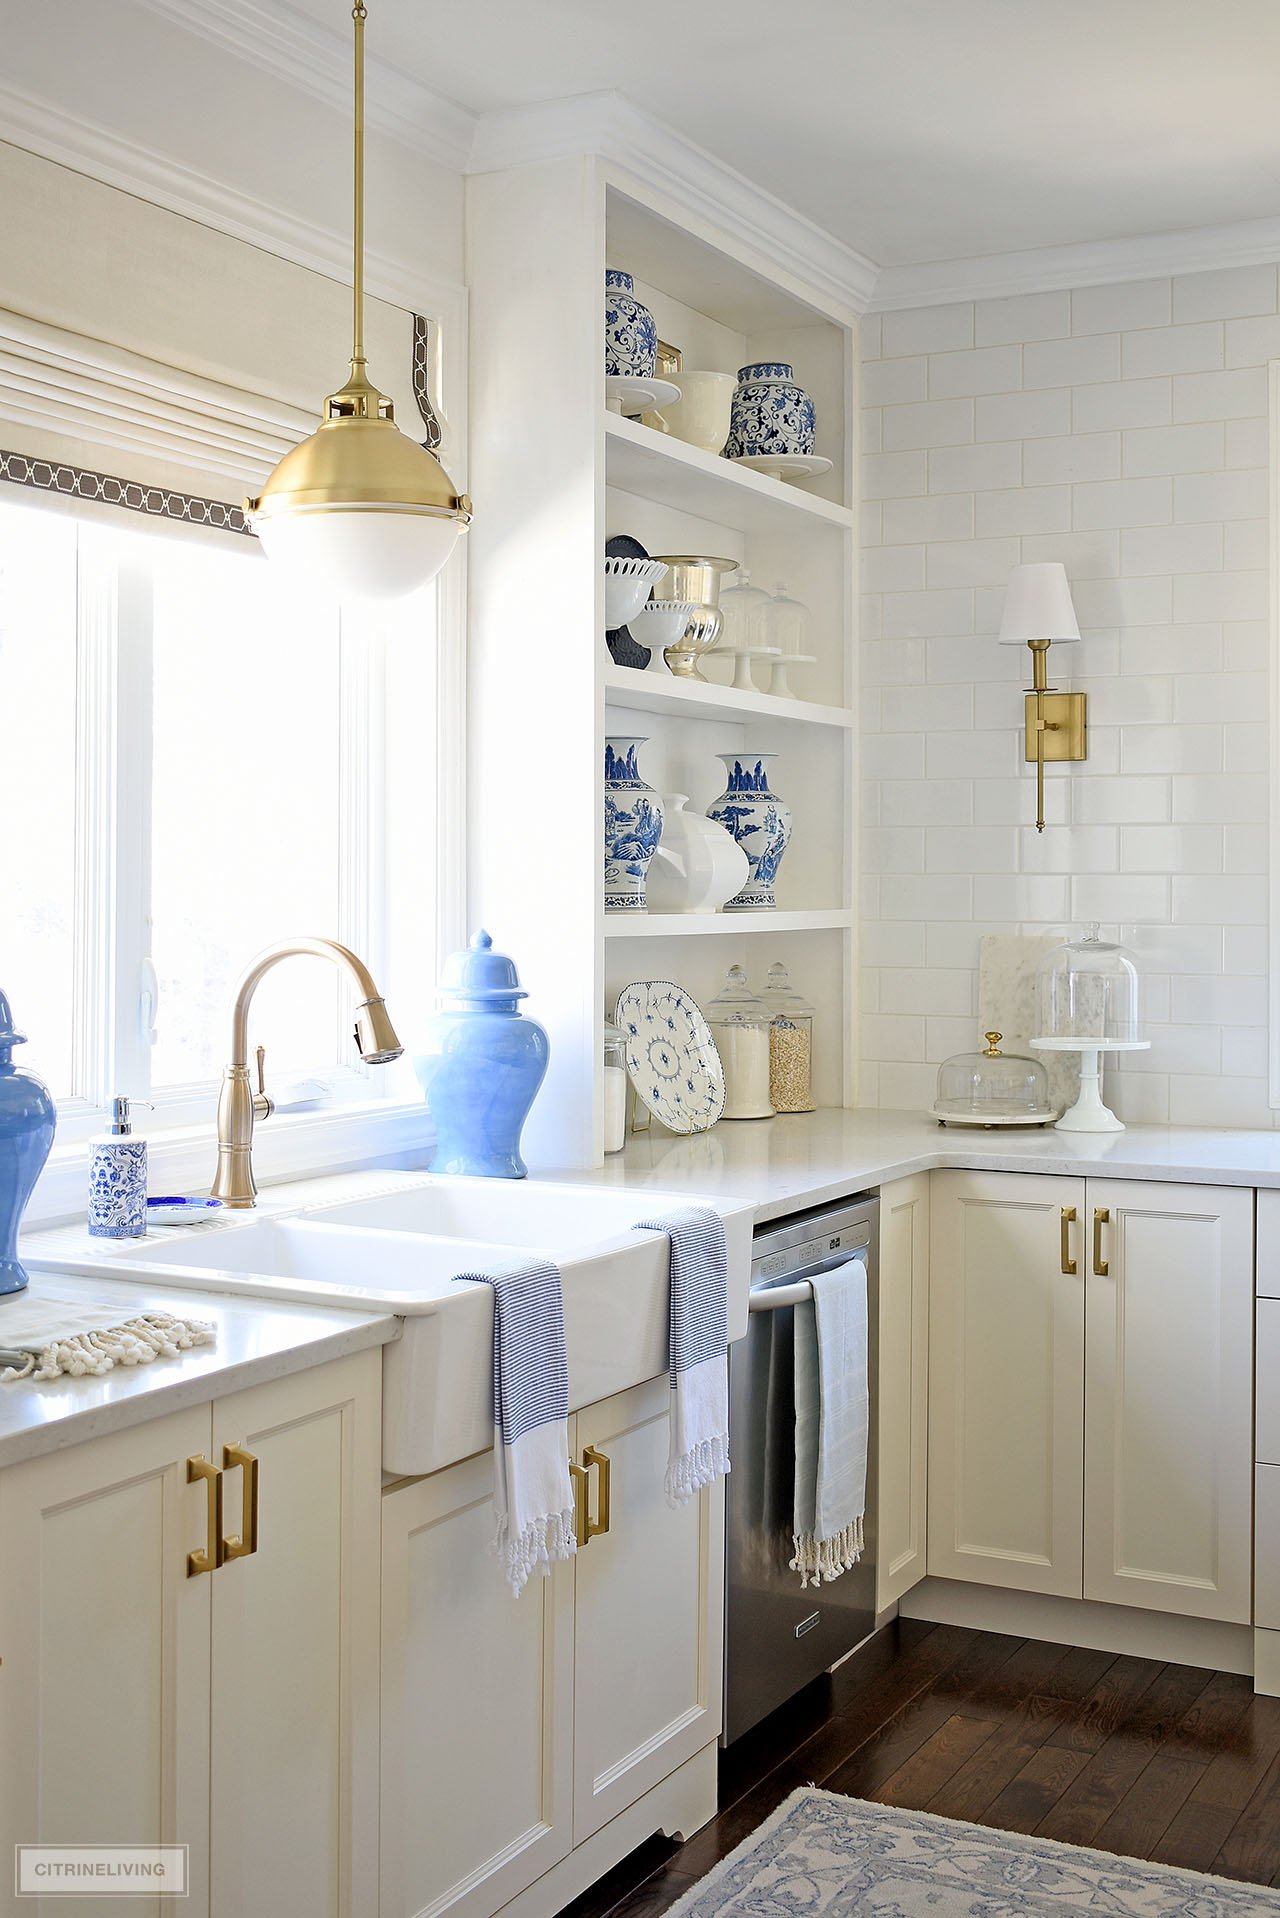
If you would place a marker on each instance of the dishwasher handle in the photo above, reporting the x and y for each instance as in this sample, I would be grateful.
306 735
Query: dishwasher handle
772 1298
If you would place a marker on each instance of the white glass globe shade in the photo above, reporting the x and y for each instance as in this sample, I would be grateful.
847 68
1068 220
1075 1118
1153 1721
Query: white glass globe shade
359 552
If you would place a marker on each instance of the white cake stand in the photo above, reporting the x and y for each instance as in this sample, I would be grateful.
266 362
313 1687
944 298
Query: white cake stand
1089 1114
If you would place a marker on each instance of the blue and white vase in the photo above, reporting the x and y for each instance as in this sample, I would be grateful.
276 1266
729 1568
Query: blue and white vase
758 820
770 413
632 825
482 1065
28 1118
630 335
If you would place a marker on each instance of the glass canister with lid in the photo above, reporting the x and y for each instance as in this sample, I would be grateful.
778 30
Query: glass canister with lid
790 1043
615 1087
992 1088
739 1023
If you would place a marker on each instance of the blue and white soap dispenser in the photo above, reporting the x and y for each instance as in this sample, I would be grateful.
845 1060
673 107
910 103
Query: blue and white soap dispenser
28 1117
118 1180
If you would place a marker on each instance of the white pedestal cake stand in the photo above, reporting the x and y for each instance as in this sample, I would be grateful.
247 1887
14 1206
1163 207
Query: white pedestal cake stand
1089 1114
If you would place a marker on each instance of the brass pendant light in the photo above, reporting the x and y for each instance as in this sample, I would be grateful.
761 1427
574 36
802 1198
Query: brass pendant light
359 507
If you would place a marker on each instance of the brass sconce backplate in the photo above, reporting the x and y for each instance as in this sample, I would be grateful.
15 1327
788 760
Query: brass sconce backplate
1062 721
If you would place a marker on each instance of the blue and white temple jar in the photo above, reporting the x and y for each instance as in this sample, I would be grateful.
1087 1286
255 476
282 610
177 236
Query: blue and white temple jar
770 413
630 335
758 820
482 1065
632 825
28 1118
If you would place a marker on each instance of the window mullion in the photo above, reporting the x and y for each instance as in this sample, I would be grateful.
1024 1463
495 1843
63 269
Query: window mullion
134 1018
97 704
361 803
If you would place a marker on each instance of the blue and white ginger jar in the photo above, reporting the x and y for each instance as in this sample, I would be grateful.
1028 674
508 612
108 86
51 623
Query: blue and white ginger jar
758 820
633 816
28 1118
770 413
482 1065
630 335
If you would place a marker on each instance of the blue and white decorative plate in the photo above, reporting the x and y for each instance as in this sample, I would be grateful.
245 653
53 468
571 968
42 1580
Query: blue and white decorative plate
182 1211
671 1056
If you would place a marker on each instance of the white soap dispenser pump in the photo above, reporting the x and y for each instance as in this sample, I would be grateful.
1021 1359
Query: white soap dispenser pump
118 1179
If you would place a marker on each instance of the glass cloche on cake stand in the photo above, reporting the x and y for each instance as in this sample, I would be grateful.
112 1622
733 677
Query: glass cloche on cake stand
1087 1001
992 1088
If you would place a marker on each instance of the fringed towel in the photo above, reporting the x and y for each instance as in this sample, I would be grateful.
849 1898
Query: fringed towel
832 1418
532 1496
58 1339
699 1348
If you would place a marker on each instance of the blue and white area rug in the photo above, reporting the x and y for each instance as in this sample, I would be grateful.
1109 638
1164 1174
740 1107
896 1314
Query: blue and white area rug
824 1856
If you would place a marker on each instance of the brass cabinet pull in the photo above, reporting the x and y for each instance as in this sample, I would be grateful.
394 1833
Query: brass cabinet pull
1068 1220
1101 1217
247 1543
600 1523
578 1474
211 1556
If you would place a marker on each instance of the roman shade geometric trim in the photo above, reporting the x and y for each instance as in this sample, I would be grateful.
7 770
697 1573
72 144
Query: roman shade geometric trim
106 489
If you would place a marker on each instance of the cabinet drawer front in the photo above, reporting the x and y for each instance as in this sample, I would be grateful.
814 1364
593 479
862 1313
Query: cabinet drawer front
1266 1548
1267 1449
1269 1245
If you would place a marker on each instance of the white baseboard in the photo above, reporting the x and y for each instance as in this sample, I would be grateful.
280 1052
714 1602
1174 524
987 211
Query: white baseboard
1081 1621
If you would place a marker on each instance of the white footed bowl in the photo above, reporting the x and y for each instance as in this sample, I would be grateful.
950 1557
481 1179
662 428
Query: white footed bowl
697 866
660 622
701 415
627 583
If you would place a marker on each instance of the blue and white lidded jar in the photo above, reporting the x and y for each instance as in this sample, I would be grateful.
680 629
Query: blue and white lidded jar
118 1180
633 816
630 334
770 413
759 821
28 1118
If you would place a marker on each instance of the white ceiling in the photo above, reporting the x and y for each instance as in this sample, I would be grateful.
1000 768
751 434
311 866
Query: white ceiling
915 130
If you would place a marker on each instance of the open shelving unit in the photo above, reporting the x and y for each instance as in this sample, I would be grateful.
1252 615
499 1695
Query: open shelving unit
558 474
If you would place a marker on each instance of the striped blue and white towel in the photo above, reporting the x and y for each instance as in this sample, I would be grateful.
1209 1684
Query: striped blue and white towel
532 1495
699 1347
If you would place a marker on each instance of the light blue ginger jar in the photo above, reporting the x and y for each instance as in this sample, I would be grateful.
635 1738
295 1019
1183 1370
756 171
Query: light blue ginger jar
770 413
759 821
482 1065
630 335
28 1119
633 816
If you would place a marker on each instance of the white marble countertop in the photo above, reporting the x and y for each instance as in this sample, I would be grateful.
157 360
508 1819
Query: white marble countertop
255 1341
798 1160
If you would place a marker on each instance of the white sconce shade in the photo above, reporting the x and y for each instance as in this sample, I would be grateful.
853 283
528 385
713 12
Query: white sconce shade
1038 605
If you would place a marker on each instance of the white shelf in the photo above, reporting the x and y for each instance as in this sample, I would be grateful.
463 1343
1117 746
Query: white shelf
656 466
651 692
686 925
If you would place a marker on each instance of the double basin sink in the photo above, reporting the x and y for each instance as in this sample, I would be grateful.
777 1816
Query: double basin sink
400 1249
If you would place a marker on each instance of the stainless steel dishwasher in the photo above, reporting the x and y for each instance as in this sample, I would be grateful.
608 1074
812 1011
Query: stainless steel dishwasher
779 1636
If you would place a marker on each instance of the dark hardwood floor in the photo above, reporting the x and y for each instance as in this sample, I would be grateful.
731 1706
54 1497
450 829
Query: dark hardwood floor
1126 1754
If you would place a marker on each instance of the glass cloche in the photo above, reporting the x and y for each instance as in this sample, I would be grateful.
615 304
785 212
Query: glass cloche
1087 1001
992 1088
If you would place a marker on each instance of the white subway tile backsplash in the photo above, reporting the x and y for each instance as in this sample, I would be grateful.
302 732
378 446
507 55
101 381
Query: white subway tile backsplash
1171 549
908 1087
926 802
1215 1000
872 434
1219 1101
971 469
1093 555
1246 545
1078 456
1026 316
1220 396
893 1036
1120 895
987 369
1221 696
1169 849
1197 448
1253 342
940 516
970 755
1022 416
1122 403
1071 362
1178 1048
1244 748
1210 596
1011 801
1189 648
870 522
1121 603
1245 847
893 569
971 562
1114 309
1171 349
926 329
1171 749
892 756
893 475
1121 800
1244 950
1211 899
1131 502
927 709
1224 798
1248 442
869 337
1068 849
906 615
892 942
1018 898
1224 294
891 382
943 992
892 662
928 423
970 849
1244 1051
1241 494
1024 509
893 849
1127 702
927 896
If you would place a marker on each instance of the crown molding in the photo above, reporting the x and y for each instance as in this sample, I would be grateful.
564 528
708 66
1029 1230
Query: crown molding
607 124
39 126
1050 269
283 41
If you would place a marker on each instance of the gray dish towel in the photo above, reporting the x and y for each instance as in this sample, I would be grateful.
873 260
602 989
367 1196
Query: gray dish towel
832 1424
699 1348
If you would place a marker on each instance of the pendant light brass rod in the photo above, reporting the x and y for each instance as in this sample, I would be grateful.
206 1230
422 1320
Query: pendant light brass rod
359 15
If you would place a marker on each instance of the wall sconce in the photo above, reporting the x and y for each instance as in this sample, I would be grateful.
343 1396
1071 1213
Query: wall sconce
1038 612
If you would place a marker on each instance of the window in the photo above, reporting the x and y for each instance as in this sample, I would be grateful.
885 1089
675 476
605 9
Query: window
197 763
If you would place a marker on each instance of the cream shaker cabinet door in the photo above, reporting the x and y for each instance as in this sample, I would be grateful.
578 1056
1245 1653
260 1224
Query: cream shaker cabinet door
902 1427
649 1611
1168 1462
104 1654
1006 1380
477 1705
295 1646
